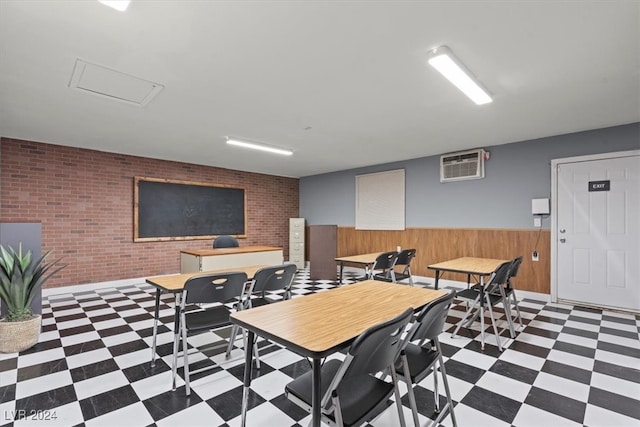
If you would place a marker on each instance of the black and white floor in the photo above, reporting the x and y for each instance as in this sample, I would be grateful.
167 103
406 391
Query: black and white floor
569 366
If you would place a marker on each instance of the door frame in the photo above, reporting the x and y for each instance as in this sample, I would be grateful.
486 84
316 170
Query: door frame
554 205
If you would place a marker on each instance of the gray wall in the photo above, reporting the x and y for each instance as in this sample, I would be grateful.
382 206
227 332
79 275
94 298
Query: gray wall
515 174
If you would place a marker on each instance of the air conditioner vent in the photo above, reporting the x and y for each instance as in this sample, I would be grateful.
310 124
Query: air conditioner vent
112 84
462 165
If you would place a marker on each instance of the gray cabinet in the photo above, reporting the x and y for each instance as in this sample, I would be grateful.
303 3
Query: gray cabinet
296 242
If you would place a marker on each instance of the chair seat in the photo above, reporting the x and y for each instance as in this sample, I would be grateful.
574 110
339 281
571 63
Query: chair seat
402 276
472 294
259 302
496 291
383 278
420 359
367 392
213 317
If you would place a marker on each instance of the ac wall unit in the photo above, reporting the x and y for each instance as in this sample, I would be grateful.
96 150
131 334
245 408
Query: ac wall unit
462 165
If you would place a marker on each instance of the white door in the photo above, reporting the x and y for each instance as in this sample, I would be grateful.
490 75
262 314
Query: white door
597 232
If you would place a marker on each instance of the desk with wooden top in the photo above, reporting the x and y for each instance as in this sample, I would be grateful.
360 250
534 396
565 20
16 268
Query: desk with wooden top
194 260
467 265
318 325
363 260
174 284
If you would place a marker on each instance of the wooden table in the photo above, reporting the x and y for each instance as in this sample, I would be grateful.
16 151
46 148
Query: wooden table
318 325
174 284
194 260
481 267
467 265
364 260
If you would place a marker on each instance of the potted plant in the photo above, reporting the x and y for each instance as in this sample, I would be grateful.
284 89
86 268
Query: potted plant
21 278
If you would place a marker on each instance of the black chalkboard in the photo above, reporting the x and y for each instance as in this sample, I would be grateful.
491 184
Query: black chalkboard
174 210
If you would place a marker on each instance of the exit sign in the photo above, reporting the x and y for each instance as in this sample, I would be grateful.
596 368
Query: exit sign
599 185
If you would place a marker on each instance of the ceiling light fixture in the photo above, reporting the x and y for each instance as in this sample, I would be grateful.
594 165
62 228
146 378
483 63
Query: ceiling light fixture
120 5
443 60
255 146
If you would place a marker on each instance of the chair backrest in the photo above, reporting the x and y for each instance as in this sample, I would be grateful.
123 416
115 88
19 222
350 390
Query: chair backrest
500 275
430 321
373 351
378 347
225 241
515 266
210 288
385 260
405 257
274 278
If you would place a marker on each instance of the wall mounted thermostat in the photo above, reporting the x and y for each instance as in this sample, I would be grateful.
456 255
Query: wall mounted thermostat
540 206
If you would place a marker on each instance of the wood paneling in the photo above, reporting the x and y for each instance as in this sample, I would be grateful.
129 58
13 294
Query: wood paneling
441 244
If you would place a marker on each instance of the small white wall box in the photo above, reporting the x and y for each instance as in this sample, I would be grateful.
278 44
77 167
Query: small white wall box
540 206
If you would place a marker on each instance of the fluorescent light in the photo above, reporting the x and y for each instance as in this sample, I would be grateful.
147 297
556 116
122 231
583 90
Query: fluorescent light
443 60
120 5
261 147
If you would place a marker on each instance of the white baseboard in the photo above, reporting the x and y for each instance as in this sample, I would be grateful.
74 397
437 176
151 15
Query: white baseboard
46 292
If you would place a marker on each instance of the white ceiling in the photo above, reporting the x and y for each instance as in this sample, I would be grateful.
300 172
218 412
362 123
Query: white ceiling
344 84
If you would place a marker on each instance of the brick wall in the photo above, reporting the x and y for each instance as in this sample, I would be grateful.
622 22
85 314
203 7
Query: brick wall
84 200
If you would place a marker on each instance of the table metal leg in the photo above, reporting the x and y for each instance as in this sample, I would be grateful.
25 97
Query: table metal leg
176 340
248 363
316 398
340 276
482 301
437 278
155 328
493 322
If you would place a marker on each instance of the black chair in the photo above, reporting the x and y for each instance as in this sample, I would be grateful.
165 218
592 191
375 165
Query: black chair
508 296
404 260
351 393
382 268
267 282
492 294
510 293
421 353
194 317
225 241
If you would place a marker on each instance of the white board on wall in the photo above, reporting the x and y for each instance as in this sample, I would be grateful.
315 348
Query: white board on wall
380 201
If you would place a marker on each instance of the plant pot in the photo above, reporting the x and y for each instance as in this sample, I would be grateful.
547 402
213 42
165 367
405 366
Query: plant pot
19 336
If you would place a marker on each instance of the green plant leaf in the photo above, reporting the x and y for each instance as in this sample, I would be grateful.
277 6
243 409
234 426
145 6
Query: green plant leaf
21 278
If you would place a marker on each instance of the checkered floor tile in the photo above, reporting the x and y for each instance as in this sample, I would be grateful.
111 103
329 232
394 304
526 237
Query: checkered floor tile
567 366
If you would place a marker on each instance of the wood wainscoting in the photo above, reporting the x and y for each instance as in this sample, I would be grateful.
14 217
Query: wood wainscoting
435 245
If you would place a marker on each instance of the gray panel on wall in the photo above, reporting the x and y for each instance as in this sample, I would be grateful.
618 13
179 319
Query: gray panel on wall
30 235
515 174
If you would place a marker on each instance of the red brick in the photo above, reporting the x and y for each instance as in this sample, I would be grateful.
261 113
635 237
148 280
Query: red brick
84 200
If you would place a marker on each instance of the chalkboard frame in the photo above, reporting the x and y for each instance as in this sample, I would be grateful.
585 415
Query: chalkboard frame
201 186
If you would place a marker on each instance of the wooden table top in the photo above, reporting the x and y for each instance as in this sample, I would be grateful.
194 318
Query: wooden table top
175 282
227 251
360 259
319 324
469 265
